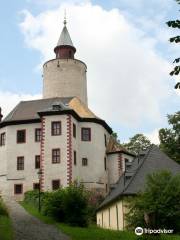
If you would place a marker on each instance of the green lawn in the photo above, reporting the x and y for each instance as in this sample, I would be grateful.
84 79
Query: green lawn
92 232
6 232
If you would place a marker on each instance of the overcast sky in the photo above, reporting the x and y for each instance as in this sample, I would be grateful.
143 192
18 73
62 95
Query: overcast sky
123 42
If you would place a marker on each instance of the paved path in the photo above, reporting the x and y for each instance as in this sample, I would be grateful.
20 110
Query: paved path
27 227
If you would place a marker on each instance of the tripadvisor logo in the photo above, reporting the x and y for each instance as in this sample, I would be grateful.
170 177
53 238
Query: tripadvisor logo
139 231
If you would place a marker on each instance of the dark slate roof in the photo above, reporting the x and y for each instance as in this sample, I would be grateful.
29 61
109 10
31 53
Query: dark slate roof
28 110
147 163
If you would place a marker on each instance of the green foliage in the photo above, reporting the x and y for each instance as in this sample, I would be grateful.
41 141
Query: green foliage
176 39
137 143
170 138
68 204
3 210
159 205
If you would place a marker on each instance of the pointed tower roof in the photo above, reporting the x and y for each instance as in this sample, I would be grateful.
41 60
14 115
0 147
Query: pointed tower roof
65 39
65 47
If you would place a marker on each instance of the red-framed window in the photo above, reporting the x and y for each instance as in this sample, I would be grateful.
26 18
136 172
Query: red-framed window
86 134
74 130
21 136
18 188
75 158
36 186
56 155
37 134
2 139
20 163
56 128
56 184
84 161
37 161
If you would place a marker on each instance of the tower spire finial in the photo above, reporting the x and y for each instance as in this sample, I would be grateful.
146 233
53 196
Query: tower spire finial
65 21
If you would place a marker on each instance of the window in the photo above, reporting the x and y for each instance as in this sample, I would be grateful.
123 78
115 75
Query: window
37 134
74 130
85 134
20 163
21 136
37 161
55 128
55 184
75 156
105 165
105 140
2 139
56 155
36 186
18 188
84 161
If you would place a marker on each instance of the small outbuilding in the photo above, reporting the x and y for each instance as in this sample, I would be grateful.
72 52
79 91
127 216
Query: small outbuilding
111 213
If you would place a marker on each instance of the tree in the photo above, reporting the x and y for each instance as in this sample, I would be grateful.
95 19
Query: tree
176 39
170 137
137 143
158 206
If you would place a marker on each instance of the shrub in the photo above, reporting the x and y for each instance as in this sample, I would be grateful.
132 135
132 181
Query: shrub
3 210
76 205
53 205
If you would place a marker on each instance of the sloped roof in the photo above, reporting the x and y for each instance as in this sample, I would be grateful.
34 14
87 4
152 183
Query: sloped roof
114 147
147 163
65 39
30 111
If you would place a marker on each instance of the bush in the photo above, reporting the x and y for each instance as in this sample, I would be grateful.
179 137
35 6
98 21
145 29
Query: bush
68 205
3 210
53 205
76 205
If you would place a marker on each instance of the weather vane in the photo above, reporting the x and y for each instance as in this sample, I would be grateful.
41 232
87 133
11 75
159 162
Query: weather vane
65 21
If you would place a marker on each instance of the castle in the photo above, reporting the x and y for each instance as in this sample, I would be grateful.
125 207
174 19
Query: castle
58 134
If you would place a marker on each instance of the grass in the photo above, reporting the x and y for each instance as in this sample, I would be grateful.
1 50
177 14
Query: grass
92 232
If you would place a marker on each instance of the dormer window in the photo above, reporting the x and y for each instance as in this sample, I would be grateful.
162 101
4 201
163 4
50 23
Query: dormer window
56 107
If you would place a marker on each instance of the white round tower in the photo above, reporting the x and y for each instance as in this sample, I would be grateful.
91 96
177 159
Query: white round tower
65 76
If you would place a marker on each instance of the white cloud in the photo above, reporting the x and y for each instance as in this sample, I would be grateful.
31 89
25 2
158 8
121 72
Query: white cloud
9 100
127 79
153 136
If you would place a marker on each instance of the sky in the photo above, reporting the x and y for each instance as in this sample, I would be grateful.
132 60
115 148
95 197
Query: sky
124 44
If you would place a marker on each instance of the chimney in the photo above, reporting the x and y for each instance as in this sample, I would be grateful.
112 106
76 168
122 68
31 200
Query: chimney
1 116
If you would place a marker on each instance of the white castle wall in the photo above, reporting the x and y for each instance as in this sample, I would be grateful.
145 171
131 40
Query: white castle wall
65 78
94 151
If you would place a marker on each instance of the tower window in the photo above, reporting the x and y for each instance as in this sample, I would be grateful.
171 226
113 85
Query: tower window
20 163
55 184
74 130
84 161
2 139
70 54
37 134
56 155
18 188
105 140
21 136
86 134
75 158
56 128
105 164
37 161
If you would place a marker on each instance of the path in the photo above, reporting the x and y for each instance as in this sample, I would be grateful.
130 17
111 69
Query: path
27 227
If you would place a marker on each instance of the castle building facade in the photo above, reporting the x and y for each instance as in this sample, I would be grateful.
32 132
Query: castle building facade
58 134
